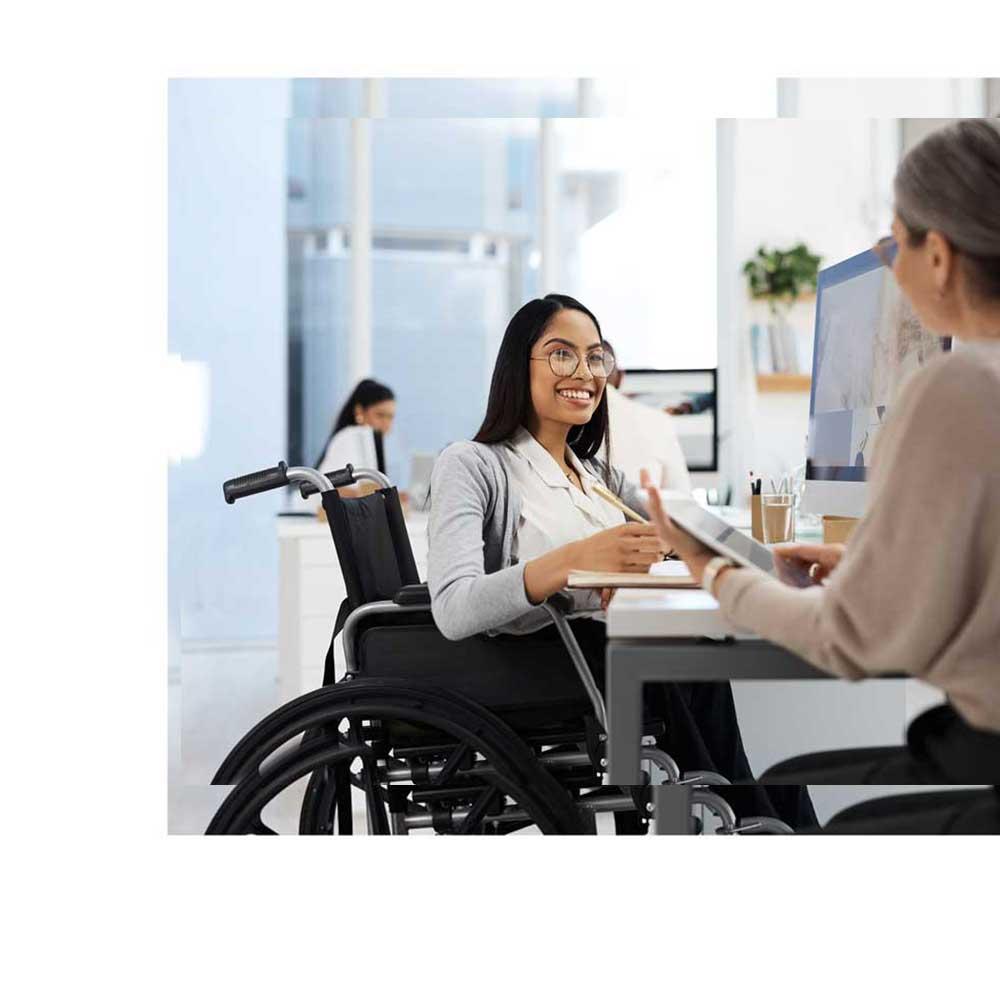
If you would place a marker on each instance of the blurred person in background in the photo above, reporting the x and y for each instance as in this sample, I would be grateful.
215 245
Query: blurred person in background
357 434
643 437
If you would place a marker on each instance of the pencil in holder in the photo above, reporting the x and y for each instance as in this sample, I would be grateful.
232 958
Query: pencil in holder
756 518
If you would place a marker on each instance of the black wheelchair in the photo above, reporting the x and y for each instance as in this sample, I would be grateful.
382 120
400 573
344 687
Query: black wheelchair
432 734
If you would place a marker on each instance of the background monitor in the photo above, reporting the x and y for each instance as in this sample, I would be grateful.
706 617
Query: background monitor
688 389
867 342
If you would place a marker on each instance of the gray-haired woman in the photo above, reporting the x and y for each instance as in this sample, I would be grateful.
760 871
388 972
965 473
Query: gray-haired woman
918 588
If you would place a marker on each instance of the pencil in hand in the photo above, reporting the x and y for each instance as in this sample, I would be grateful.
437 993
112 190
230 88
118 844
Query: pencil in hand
607 495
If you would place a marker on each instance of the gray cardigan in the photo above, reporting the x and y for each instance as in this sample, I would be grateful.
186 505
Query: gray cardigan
475 584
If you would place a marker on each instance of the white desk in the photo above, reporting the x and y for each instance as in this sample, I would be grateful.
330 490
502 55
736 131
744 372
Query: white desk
637 614
660 636
311 589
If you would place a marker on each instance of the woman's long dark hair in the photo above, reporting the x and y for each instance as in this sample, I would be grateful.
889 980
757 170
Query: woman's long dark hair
366 393
509 406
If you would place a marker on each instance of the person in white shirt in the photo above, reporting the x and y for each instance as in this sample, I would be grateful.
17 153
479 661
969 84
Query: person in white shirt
643 437
357 434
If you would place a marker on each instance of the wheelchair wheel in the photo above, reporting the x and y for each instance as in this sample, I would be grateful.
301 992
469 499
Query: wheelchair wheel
418 758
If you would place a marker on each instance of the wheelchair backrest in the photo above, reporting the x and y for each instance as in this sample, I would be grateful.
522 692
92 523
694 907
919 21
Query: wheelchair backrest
372 545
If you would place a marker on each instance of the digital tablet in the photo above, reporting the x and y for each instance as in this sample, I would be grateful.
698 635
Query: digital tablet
719 536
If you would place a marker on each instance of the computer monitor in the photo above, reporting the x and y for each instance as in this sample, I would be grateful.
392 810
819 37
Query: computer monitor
691 395
867 341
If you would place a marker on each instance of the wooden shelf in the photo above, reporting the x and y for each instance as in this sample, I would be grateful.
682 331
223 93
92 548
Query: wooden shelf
785 300
783 382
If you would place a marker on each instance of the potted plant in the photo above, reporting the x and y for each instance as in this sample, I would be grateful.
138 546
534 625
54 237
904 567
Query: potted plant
781 276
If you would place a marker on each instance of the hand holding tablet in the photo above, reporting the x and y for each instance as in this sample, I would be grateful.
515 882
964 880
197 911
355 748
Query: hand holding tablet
698 536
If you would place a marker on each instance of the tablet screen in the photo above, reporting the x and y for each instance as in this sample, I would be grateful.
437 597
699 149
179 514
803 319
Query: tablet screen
718 535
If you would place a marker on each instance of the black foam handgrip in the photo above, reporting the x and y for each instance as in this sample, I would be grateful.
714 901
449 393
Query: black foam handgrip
341 477
255 482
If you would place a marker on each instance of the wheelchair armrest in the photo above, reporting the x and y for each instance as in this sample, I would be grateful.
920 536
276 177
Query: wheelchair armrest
561 602
414 593
362 615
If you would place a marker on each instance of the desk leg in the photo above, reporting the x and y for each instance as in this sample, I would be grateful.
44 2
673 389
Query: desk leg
624 704
671 809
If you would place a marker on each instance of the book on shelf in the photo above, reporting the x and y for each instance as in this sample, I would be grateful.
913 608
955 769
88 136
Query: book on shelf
774 349
789 348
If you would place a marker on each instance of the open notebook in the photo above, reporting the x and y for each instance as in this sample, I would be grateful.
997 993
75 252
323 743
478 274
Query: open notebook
663 575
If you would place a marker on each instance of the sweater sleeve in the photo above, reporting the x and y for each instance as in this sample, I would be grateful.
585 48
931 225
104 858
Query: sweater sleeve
903 589
465 599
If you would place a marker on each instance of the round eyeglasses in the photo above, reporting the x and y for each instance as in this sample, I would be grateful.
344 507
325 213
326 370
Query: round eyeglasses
564 362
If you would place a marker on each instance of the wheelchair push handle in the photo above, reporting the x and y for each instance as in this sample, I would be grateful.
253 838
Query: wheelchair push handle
346 476
255 482
341 477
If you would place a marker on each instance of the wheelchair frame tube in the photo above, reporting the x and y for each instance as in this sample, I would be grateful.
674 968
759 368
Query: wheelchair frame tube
375 476
579 661
354 475
554 760
597 804
358 615
301 474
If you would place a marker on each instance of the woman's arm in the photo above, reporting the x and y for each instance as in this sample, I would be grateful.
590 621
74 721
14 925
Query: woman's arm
465 599
907 583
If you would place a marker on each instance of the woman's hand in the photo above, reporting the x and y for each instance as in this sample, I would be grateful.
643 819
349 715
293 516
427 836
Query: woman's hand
694 554
606 594
627 548
804 565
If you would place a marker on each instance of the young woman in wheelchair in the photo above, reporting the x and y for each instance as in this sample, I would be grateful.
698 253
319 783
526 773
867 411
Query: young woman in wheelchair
514 511
917 589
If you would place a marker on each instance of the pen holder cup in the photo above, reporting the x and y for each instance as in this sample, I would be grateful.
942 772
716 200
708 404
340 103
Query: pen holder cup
756 518
777 512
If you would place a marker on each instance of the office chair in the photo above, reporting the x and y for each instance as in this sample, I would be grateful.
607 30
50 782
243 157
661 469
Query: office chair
957 811
455 737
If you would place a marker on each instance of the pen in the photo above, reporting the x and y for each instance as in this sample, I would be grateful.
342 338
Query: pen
615 502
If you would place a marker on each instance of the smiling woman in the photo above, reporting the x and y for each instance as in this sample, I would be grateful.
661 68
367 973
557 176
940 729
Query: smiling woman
517 508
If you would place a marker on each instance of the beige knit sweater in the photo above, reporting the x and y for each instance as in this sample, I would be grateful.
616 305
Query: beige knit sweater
918 589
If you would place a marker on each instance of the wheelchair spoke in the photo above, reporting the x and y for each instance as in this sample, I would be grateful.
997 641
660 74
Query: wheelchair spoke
479 810
378 820
460 755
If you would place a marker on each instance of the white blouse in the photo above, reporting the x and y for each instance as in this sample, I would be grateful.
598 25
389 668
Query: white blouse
553 511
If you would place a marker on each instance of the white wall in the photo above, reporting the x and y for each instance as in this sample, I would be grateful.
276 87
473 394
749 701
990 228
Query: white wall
882 98
648 270
992 108
227 307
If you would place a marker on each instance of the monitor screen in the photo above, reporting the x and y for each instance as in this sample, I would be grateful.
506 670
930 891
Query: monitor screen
690 396
867 342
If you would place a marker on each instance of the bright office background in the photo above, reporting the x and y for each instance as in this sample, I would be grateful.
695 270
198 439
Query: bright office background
476 202
469 218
